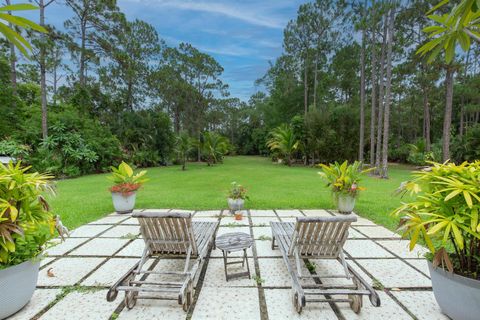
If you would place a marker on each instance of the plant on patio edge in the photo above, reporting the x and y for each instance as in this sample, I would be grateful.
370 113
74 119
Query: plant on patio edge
236 199
126 184
26 222
445 215
344 181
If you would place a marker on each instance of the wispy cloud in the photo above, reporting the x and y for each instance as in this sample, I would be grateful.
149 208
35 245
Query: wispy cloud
243 13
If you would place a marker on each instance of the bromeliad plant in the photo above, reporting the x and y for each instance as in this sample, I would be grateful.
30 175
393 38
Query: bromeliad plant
26 222
237 191
125 181
445 215
343 178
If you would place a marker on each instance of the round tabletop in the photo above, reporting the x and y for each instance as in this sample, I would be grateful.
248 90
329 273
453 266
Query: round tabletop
234 241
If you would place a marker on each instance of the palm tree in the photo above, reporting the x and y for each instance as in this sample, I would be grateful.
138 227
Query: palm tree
183 147
214 146
283 141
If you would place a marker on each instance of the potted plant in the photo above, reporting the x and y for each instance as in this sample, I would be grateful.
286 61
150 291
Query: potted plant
126 184
236 197
26 224
343 179
444 214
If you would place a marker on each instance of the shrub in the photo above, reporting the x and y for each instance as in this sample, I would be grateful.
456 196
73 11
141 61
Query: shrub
468 146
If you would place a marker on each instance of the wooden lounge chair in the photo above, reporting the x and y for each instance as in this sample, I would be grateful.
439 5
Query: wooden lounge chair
320 238
166 235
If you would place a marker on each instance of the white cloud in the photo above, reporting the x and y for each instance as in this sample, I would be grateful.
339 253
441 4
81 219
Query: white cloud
242 13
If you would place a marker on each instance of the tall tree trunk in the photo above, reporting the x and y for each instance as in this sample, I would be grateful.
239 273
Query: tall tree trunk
462 110
374 92
447 119
82 70
381 96
13 64
305 90
426 119
43 71
315 83
388 96
362 93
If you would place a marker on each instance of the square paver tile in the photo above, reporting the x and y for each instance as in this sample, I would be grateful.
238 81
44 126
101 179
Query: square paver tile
262 213
227 303
264 249
420 264
377 232
262 232
224 230
153 309
40 299
289 219
354 234
208 213
81 306
388 309
63 247
46 261
393 273
363 222
122 232
365 249
67 271
263 221
133 249
289 213
331 267
215 275
111 271
229 219
401 248
275 273
280 306
99 247
421 303
317 213
112 219
130 221
88 231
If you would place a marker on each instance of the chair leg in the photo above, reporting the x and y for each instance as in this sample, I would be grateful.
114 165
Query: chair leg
225 264
246 260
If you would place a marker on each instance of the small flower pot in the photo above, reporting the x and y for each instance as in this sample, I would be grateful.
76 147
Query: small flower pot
123 203
345 203
235 204
238 215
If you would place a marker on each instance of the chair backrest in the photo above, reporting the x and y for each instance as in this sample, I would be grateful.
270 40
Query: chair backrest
167 232
321 237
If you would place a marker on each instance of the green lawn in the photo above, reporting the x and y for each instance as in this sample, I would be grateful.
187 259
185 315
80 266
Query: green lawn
270 186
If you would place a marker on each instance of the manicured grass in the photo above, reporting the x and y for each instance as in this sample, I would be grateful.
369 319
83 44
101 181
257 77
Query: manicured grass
270 186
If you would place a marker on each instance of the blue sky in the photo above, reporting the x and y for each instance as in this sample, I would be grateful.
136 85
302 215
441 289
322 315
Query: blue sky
242 35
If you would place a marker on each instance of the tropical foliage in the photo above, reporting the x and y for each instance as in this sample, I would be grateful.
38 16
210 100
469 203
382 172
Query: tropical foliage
26 222
344 178
445 215
214 146
283 143
237 191
184 146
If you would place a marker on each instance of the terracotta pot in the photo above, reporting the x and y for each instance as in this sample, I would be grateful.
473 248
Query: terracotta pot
238 215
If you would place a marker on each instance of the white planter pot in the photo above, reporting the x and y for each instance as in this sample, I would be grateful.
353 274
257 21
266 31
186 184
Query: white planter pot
17 285
235 204
345 203
457 296
123 204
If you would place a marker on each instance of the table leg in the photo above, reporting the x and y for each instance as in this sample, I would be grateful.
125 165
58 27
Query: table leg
246 260
225 264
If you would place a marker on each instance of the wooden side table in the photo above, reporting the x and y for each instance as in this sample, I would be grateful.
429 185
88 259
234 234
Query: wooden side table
231 242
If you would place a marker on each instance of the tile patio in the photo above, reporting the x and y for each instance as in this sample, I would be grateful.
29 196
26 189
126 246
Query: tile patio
74 279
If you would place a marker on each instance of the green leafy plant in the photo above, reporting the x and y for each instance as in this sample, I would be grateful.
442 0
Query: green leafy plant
10 33
283 142
124 179
214 146
26 222
183 147
344 178
445 215
237 191
258 280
